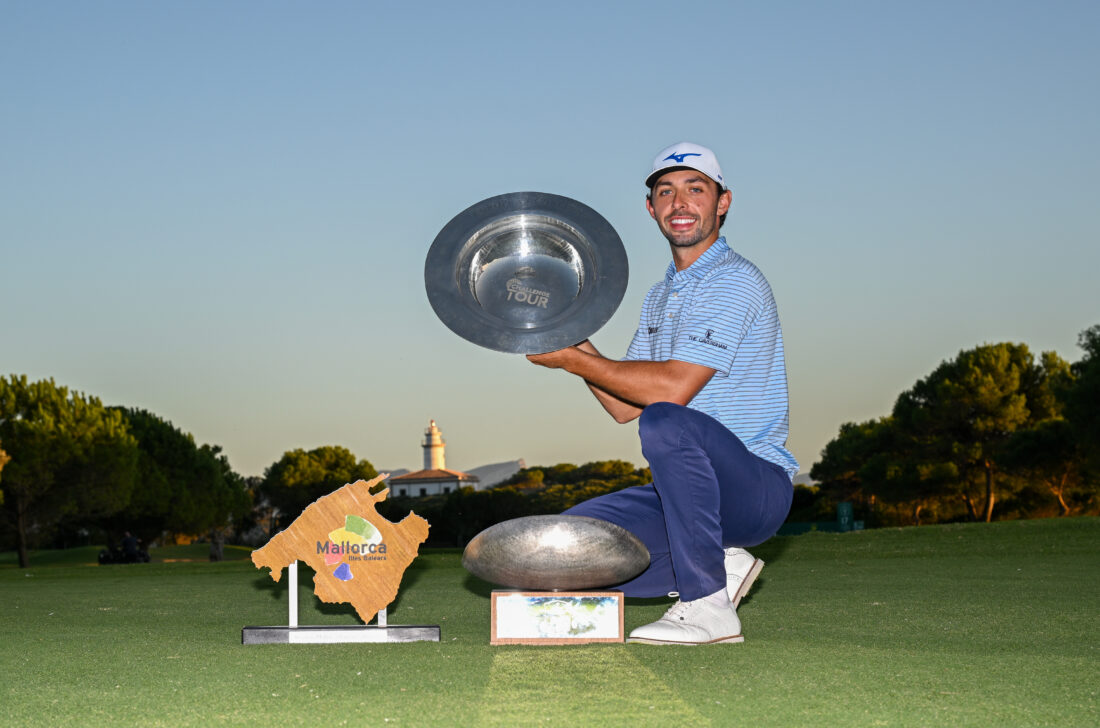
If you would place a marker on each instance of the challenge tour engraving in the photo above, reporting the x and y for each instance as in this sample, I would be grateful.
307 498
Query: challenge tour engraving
525 294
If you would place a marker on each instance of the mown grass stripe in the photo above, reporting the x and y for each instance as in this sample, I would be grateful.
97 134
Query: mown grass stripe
607 684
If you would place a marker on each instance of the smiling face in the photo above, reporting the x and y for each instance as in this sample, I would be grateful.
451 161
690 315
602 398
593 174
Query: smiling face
688 206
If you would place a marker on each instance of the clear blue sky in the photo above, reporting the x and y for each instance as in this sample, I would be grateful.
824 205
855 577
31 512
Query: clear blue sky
219 212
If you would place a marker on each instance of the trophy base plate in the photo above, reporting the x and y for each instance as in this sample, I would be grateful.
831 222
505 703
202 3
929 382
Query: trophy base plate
337 634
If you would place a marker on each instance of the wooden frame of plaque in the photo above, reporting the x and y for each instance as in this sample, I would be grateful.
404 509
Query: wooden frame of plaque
555 618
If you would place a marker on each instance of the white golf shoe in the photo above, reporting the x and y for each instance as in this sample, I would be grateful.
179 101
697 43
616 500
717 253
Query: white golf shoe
742 568
699 622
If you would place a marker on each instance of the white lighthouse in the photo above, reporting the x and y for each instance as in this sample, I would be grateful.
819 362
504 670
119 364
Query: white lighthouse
434 479
433 445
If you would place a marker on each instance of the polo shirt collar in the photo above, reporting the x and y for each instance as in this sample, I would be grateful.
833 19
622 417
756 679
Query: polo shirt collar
703 263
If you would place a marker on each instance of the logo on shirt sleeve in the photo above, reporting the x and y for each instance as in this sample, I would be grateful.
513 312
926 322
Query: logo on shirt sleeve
707 340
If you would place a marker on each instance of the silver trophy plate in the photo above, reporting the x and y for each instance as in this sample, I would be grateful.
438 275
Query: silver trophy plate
555 553
526 272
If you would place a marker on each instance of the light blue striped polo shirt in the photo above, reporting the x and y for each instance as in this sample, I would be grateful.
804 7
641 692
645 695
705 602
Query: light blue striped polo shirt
720 313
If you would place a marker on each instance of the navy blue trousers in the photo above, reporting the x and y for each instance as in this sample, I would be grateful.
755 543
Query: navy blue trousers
708 492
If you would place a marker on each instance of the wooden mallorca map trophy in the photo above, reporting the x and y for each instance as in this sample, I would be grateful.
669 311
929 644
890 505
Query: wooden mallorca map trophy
357 557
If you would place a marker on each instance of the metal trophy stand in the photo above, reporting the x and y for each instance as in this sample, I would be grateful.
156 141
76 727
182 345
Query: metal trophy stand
295 634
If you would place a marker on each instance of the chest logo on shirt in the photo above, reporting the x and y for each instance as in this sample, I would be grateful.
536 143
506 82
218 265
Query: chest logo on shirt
653 329
707 340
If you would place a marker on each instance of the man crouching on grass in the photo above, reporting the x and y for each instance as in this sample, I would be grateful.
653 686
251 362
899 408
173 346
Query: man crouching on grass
706 379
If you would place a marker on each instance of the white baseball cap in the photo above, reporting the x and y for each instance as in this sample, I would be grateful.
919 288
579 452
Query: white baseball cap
685 155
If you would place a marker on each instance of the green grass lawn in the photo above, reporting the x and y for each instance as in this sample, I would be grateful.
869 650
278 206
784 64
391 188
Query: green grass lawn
986 625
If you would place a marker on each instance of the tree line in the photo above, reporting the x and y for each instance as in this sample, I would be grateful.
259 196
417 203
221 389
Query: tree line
73 471
73 466
993 433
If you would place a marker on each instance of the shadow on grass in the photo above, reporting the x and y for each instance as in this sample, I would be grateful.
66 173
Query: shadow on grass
772 549
770 552
478 587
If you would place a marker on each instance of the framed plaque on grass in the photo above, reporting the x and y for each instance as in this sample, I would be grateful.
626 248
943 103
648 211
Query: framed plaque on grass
556 618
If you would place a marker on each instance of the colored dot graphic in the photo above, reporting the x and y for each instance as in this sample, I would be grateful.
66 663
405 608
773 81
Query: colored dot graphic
356 536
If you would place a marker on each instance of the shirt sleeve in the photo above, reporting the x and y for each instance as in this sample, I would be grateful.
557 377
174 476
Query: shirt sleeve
641 346
721 314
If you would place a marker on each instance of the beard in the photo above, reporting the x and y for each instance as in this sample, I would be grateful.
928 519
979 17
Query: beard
706 227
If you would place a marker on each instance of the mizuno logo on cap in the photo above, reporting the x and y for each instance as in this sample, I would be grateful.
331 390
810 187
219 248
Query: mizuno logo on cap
679 158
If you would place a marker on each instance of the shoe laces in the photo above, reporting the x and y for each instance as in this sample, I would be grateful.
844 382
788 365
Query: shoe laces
677 611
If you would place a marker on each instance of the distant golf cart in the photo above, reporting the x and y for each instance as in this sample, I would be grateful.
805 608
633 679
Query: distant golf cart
127 552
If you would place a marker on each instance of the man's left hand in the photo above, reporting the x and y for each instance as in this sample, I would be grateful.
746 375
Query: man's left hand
554 359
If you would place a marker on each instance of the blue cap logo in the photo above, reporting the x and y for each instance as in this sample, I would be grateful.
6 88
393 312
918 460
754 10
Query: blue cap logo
679 158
